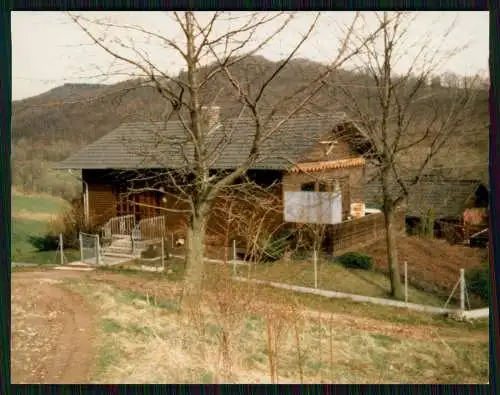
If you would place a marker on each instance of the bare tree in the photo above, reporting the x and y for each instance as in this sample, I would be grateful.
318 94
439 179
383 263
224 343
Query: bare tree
404 124
201 40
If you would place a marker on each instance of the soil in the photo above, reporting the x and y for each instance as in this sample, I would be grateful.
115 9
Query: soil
430 261
52 337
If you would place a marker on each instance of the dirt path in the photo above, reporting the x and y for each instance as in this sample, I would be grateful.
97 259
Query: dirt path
52 330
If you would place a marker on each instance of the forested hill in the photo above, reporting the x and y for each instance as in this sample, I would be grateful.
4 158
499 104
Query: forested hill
48 127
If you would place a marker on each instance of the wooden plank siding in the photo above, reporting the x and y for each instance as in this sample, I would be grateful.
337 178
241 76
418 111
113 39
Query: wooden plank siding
350 182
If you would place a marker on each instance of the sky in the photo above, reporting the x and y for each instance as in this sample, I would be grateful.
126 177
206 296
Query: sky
49 49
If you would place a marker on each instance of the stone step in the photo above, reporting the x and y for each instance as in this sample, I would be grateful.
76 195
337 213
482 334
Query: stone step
121 249
121 255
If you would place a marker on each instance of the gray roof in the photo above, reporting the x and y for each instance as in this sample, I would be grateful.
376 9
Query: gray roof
446 197
166 145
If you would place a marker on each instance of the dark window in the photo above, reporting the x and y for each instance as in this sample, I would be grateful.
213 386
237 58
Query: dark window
322 187
308 187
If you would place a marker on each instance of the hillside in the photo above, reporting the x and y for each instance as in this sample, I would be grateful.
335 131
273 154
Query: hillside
49 127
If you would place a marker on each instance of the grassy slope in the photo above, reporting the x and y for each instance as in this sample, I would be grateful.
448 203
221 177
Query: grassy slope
24 226
334 277
141 328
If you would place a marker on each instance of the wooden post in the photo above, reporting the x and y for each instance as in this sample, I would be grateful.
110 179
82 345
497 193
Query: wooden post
462 289
162 254
80 238
234 257
406 282
132 242
97 250
61 249
172 241
315 260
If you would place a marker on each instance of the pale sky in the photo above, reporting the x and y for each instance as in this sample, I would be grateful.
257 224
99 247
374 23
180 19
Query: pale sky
48 49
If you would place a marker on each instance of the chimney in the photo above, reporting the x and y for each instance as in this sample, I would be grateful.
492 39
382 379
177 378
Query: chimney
210 116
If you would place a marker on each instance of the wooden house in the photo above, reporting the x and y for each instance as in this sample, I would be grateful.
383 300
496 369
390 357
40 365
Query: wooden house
306 153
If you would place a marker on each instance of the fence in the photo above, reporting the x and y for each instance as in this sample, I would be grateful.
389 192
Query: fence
90 251
119 225
359 231
153 228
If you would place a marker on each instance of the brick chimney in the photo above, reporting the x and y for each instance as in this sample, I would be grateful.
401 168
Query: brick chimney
210 116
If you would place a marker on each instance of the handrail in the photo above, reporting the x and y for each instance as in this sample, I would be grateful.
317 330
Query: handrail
122 225
152 227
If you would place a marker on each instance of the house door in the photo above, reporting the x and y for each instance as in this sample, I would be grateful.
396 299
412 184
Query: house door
147 204
124 201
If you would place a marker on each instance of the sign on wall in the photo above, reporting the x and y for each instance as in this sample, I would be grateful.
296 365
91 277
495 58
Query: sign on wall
313 207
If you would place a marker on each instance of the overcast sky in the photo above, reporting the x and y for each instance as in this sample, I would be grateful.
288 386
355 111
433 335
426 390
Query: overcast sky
49 50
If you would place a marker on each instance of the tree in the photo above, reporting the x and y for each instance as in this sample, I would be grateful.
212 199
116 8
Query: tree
203 40
403 124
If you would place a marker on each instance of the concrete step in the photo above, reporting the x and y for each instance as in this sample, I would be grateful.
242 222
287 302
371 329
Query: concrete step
121 255
77 268
121 250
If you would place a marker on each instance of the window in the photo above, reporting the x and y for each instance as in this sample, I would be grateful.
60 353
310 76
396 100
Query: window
308 187
322 187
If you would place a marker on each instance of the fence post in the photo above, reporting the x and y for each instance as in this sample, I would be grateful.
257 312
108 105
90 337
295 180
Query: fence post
234 257
315 260
162 254
61 249
406 282
97 250
80 238
172 236
462 289
132 242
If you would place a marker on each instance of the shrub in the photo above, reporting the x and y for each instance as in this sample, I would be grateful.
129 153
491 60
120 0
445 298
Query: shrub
356 260
478 280
273 247
69 223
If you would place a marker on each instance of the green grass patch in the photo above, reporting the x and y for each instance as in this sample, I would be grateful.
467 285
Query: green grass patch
23 229
139 330
111 326
38 203
109 355
334 277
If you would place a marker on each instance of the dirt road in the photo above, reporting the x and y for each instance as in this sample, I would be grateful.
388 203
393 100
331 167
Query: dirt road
52 337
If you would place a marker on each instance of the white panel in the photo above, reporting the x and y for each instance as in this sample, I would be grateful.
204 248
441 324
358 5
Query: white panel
313 207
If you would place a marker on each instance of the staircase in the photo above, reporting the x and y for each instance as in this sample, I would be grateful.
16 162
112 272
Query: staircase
124 247
128 239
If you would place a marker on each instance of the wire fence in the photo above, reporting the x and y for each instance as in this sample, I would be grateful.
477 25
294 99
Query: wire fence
90 251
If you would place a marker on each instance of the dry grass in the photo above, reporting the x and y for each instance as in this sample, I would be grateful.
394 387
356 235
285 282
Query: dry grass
145 339
25 214
334 277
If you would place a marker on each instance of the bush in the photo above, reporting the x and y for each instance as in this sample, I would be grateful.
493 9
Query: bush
273 247
69 223
356 260
478 280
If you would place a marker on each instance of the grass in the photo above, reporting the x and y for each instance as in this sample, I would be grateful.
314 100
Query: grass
37 203
143 343
331 276
334 277
276 295
24 227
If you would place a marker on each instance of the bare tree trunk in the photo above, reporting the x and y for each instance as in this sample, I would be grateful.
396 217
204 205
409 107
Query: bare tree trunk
195 252
392 254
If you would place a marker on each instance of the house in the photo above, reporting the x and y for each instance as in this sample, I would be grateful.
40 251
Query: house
450 201
306 153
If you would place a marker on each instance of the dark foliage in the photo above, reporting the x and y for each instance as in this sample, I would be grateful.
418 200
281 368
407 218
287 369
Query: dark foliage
355 260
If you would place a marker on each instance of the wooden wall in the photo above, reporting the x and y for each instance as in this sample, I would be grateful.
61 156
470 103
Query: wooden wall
349 235
350 180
